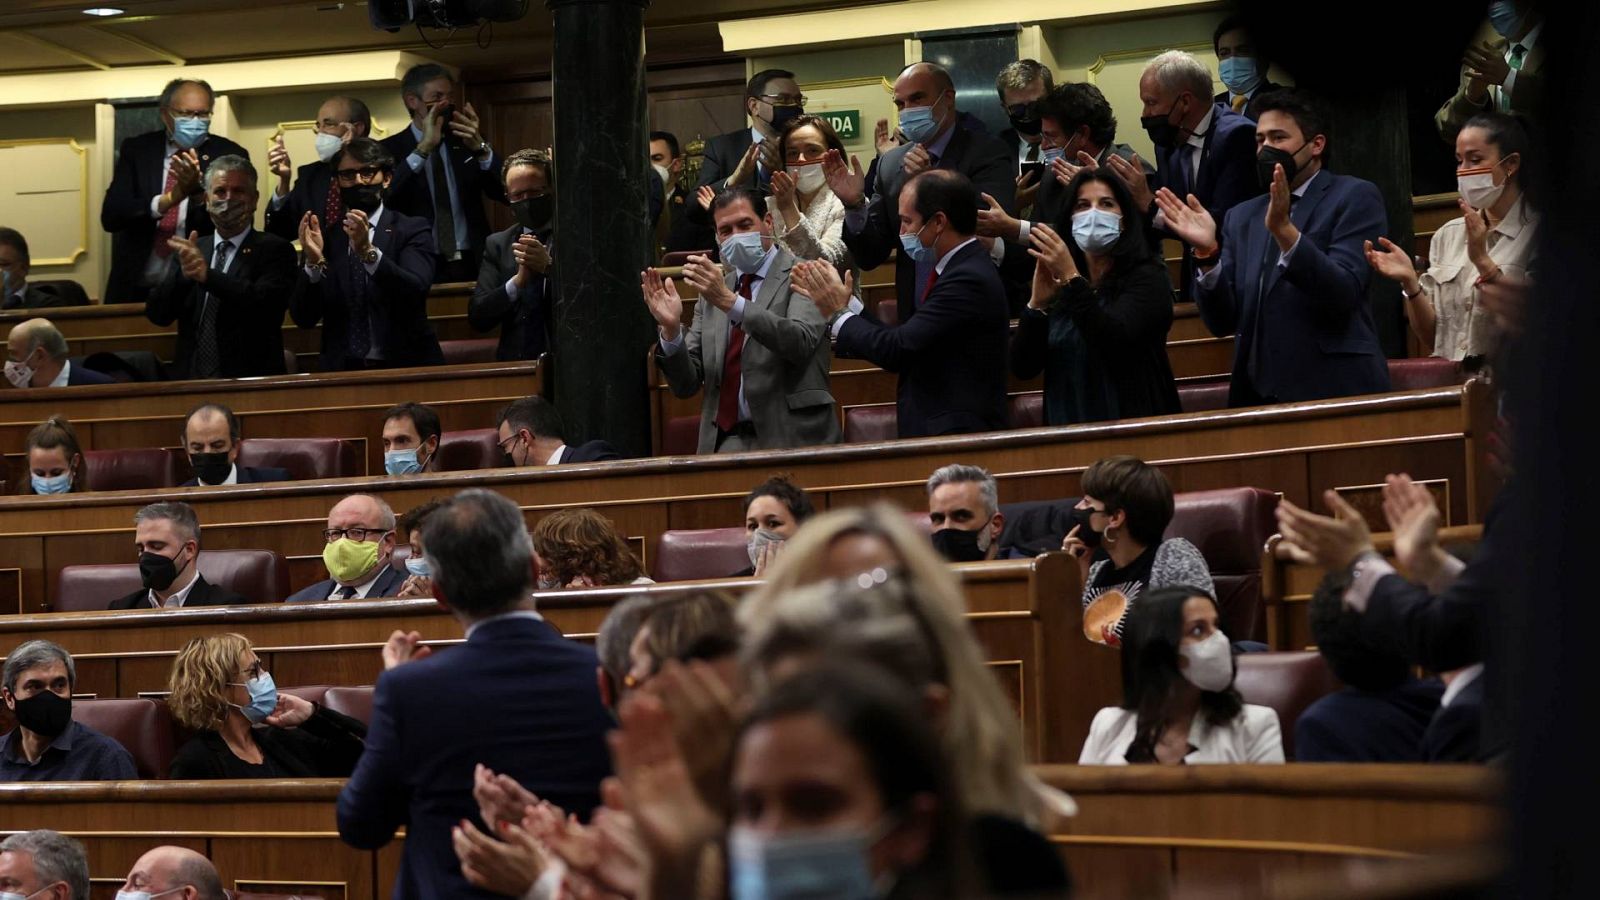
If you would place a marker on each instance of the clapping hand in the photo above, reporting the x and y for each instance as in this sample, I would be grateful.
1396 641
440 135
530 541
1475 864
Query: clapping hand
916 161
1052 253
186 171
673 822
746 168
1476 223
1414 518
357 230
1485 66
1332 543
508 866
403 647
1190 222
500 798
311 238
464 128
533 258
1065 171
190 260
1132 174
995 222
883 139
705 196
818 281
704 719
416 587
661 298
785 196
1392 263
279 164
846 181
707 278
1279 225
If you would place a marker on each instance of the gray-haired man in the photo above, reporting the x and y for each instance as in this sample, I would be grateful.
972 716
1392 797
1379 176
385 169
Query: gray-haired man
47 745
964 506
167 538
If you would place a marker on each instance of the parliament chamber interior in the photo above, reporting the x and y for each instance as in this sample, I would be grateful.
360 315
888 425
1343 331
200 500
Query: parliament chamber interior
792 448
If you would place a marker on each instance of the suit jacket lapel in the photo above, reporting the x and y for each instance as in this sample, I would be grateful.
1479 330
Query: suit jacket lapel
956 150
777 278
1299 213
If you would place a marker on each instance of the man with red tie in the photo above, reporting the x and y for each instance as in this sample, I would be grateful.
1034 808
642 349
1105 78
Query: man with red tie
340 120
759 350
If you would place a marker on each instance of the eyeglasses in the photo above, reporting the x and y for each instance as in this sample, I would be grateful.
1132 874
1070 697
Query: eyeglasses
367 174
784 99
1025 111
190 113
505 444
253 672
354 534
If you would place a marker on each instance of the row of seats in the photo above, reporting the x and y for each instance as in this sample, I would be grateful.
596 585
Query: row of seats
141 365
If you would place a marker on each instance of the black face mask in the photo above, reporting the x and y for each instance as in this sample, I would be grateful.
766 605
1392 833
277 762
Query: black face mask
1161 131
365 197
45 714
533 213
210 468
957 545
783 115
157 572
1027 126
1272 156
1086 532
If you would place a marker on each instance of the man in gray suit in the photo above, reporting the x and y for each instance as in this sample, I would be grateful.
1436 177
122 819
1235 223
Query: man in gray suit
759 350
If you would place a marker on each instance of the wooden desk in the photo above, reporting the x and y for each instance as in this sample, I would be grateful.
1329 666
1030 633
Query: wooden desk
1021 611
1298 449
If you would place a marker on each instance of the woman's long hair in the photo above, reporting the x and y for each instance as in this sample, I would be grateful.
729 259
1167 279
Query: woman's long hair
1151 680
1130 250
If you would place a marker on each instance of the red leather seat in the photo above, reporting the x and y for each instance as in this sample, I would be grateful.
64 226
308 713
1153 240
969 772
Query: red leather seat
470 350
1204 396
304 458
681 437
474 448
1287 682
141 468
679 257
1026 410
1231 527
869 424
141 725
688 555
260 575
256 895
355 702
1423 372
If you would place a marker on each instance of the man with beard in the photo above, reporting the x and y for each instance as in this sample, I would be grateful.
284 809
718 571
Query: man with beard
515 290
367 278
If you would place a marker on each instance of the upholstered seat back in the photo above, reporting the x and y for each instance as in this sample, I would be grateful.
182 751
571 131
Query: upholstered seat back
304 458
139 468
1286 681
143 726
474 448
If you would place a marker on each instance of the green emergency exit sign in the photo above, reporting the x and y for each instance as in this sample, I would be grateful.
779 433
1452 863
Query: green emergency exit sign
847 122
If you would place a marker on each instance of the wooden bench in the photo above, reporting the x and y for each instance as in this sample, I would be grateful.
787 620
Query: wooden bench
1297 449
1019 609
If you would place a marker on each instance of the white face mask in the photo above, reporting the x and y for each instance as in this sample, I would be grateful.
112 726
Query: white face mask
19 374
144 895
808 178
1479 190
758 540
327 145
664 174
1210 662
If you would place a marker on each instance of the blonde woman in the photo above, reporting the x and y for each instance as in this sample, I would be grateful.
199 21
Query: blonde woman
244 727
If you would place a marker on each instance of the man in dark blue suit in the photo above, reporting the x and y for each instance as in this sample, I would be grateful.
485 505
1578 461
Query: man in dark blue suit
518 698
530 434
746 158
358 546
950 349
445 170
36 356
339 121
211 438
1289 276
516 292
367 279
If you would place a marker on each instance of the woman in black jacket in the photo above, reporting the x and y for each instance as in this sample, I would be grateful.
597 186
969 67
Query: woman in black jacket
244 727
1097 322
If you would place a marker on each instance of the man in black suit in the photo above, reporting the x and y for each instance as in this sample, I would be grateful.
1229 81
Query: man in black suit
36 356
950 350
368 279
340 120
938 139
1021 85
15 291
154 193
445 169
747 157
211 439
516 292
1242 66
676 231
227 291
357 547
530 435
167 536
517 698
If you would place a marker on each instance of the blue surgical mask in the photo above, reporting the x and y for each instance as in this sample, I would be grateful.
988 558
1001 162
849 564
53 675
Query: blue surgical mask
402 462
1505 18
912 245
57 484
1239 73
743 251
917 124
418 566
263 697
830 864
1051 154
188 132
1096 230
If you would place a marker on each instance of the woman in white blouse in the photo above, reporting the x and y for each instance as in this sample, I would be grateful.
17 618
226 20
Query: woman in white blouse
1494 238
807 219
1179 705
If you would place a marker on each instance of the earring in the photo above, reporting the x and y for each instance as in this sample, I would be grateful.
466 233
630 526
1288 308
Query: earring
1109 535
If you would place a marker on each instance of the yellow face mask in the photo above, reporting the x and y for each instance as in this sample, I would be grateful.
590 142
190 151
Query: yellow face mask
348 560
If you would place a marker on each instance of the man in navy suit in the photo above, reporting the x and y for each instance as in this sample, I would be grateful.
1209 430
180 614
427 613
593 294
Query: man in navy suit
530 434
1289 276
367 279
1242 66
950 349
516 291
36 356
339 121
154 192
446 170
357 547
211 438
518 698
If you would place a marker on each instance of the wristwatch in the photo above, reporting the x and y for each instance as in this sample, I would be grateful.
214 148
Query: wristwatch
483 148
370 257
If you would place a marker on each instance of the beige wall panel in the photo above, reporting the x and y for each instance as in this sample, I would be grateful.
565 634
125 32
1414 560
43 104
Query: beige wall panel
52 210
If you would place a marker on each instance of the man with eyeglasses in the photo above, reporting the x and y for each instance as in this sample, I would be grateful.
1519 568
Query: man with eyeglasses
1021 85
367 278
446 169
515 290
340 120
357 546
154 194
747 158
530 433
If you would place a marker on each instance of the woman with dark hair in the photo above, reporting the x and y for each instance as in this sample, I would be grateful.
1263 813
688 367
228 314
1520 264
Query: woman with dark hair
1179 705
807 219
773 512
1495 237
54 459
1097 322
578 548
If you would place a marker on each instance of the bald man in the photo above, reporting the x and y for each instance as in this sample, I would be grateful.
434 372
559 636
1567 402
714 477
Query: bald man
211 440
165 871
36 356
339 120
358 545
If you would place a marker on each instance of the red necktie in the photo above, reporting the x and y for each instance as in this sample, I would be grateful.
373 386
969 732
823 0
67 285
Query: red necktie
167 227
732 371
333 207
933 276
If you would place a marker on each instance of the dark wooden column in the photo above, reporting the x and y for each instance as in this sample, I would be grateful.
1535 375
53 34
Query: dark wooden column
601 330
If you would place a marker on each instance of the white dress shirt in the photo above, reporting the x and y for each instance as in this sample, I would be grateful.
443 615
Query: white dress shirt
1503 98
735 317
63 375
555 458
1252 737
1197 140
855 305
178 597
458 212
361 589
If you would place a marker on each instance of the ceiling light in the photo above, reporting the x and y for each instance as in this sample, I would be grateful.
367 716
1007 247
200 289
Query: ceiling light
102 11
